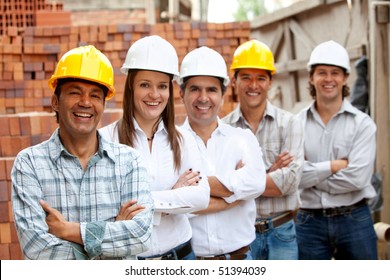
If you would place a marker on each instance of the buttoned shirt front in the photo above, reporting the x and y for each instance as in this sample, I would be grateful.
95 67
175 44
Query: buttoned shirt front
350 135
91 197
171 225
231 229
277 132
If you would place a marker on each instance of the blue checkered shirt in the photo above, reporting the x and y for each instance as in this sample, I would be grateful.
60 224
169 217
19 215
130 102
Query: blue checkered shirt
91 197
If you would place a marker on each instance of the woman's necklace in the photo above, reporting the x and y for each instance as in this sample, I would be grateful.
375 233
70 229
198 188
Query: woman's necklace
151 138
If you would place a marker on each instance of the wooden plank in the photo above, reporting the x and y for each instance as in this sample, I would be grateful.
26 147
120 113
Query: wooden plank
277 39
379 104
294 9
292 79
301 35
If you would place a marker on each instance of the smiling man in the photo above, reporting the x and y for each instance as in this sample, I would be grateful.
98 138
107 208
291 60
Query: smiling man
334 220
280 135
77 196
231 157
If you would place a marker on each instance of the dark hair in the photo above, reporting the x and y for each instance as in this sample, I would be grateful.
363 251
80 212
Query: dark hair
238 70
61 82
185 81
312 90
126 128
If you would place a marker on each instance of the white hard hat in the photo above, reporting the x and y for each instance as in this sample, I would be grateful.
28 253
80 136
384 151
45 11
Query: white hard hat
204 61
152 53
330 53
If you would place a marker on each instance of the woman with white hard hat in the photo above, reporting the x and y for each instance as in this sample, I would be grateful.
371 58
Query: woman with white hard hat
148 125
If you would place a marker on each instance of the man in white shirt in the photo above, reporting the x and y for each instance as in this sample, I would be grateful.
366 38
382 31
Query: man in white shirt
232 159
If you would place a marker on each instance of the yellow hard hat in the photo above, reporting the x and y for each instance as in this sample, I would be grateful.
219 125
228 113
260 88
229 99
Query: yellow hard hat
253 54
86 63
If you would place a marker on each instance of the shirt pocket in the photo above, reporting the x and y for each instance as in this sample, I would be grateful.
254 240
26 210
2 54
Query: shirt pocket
341 148
271 150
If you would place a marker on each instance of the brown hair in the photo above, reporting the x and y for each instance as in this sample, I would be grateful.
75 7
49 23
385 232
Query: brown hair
312 89
126 126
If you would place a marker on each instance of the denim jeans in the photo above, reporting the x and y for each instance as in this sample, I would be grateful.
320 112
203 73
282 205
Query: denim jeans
345 237
278 243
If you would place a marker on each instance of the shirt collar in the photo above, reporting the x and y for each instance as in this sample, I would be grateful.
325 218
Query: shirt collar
160 127
237 115
57 148
346 107
222 127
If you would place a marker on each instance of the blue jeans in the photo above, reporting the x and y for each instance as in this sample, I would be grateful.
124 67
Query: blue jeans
278 243
343 237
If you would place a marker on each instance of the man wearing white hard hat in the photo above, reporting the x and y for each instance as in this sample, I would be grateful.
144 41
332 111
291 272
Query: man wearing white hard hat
232 159
334 220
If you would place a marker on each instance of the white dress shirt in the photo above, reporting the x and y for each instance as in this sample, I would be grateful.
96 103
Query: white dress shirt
231 229
172 229
350 134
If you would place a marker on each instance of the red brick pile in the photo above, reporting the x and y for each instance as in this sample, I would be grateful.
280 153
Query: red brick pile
23 13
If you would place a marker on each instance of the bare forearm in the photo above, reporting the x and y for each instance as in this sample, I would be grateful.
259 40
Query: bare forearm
271 190
217 204
70 232
217 189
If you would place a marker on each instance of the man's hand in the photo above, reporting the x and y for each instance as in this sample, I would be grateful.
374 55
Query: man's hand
188 178
54 219
60 227
338 164
129 210
240 164
282 160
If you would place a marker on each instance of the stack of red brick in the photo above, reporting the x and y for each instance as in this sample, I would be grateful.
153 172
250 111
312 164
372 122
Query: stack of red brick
24 13
27 59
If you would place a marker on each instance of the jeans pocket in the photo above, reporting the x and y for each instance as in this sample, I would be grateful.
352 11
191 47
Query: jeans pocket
302 217
286 232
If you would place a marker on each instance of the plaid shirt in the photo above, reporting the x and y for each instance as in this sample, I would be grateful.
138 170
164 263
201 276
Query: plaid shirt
91 197
278 131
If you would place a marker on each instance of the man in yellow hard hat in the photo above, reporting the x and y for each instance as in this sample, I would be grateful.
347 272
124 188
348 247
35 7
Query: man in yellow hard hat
280 135
77 196
334 221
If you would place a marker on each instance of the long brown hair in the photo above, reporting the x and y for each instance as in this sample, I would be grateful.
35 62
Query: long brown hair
126 126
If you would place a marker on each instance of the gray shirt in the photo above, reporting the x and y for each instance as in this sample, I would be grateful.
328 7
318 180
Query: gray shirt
350 134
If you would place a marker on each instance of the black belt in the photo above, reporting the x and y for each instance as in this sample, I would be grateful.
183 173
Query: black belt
336 211
239 254
174 254
266 225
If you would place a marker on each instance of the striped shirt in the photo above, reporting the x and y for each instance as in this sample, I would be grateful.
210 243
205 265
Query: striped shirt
91 197
278 131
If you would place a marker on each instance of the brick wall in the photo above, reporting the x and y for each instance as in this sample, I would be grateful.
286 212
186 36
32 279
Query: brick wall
27 59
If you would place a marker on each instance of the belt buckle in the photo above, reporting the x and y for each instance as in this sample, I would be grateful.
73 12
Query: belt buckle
265 225
169 256
154 259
